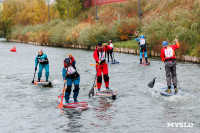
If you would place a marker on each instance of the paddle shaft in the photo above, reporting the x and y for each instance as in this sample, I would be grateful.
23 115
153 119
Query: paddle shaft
34 76
92 90
96 75
113 55
159 69
61 103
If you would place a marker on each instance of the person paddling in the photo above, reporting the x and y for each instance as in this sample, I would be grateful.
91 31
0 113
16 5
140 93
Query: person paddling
43 61
110 51
168 56
101 65
70 75
143 47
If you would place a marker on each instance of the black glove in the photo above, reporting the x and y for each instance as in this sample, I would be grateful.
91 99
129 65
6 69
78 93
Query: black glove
35 68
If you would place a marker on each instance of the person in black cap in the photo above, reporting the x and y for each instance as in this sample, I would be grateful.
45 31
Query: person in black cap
101 65
70 75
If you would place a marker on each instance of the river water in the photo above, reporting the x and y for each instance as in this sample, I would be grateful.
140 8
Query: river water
25 108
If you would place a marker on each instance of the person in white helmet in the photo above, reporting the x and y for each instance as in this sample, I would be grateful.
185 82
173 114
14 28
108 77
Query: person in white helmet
43 61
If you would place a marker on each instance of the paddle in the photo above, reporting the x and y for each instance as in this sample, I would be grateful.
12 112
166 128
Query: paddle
151 84
34 76
92 64
61 103
113 56
92 90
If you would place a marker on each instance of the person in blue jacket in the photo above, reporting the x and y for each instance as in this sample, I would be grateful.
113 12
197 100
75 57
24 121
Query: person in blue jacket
143 46
70 75
43 61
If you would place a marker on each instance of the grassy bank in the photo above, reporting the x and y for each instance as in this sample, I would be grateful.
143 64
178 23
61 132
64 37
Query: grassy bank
161 20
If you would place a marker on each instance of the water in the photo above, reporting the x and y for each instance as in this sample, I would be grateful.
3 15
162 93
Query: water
26 108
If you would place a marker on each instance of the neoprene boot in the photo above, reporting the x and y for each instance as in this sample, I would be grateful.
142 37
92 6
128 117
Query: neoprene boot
67 96
146 60
46 79
140 61
38 80
175 89
75 96
169 89
107 89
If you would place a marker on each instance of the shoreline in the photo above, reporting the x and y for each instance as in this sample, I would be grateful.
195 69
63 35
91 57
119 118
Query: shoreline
185 58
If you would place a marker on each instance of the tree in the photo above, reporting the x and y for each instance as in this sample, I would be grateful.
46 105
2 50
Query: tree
68 9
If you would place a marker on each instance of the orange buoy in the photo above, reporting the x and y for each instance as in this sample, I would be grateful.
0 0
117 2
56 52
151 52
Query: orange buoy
13 49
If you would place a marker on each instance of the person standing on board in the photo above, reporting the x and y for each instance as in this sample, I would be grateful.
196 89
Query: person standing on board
70 75
143 47
101 65
168 56
110 52
43 61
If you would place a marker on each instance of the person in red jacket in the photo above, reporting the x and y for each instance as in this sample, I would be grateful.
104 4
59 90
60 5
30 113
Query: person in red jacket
168 56
101 65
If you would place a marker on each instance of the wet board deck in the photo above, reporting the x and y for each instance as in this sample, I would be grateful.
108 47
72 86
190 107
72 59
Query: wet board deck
43 83
74 105
144 64
163 92
113 62
112 94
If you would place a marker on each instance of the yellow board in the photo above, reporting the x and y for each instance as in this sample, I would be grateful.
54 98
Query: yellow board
1 6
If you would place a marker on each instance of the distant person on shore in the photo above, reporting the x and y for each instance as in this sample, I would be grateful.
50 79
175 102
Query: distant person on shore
110 51
70 75
168 56
43 61
143 47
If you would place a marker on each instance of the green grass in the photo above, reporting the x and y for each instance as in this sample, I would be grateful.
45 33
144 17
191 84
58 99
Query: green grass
126 44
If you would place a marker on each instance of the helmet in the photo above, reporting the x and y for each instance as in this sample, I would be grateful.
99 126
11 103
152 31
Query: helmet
99 44
40 51
142 36
67 62
165 43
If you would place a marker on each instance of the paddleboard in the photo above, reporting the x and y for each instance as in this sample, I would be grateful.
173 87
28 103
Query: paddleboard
43 83
112 94
144 64
163 92
73 105
113 62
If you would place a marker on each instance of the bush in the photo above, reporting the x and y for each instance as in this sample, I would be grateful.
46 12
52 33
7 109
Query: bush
93 34
126 28
87 36
58 33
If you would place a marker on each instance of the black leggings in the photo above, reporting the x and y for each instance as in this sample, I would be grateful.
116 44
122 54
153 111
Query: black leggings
110 52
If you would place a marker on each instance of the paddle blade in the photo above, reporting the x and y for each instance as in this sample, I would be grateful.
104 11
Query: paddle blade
32 81
151 84
91 92
60 105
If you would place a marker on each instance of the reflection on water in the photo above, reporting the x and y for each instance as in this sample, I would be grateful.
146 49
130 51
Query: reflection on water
104 113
